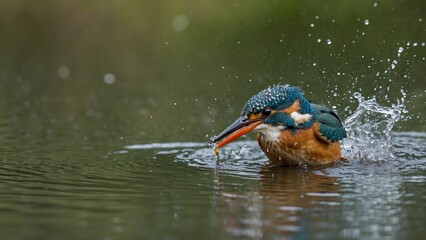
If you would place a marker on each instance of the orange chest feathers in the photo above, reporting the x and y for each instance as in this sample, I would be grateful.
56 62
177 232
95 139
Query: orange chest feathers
304 146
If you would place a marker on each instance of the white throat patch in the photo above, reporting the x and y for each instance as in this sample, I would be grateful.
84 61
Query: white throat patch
269 133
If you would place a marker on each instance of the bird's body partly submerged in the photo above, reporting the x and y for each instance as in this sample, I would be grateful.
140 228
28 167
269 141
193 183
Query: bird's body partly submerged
291 130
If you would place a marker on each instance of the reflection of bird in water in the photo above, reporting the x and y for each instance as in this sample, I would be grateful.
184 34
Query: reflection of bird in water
291 130
280 204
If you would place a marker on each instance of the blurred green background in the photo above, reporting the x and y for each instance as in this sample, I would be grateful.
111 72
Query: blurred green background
155 71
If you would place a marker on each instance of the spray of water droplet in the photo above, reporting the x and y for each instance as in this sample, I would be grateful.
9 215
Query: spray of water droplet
369 129
400 50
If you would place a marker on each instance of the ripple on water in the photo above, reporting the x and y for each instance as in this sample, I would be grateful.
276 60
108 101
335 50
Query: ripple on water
56 183
245 159
242 158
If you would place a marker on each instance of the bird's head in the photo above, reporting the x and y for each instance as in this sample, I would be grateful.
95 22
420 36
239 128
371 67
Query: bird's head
269 112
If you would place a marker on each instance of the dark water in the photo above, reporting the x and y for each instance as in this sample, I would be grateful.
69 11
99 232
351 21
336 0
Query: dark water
106 110
176 190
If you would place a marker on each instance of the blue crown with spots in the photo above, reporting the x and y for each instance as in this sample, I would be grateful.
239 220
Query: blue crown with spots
275 97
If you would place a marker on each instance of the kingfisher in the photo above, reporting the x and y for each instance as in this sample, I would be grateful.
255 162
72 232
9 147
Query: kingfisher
290 129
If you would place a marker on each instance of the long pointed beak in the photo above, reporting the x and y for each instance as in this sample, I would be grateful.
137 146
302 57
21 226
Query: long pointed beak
237 129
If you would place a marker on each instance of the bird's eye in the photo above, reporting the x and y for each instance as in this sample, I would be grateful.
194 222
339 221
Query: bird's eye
266 111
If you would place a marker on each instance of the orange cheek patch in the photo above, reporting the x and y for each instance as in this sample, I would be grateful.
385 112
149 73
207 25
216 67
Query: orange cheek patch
293 108
255 116
260 115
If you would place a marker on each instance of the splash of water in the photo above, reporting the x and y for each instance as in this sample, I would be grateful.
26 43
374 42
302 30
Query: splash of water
369 129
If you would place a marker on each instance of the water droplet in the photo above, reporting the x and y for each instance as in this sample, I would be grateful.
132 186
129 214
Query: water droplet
180 23
109 78
63 72
394 62
400 50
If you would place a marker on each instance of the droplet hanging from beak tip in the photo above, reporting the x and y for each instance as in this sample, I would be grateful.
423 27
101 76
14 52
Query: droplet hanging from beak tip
216 152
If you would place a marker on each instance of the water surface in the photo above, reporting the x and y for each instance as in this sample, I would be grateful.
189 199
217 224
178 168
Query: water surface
176 190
